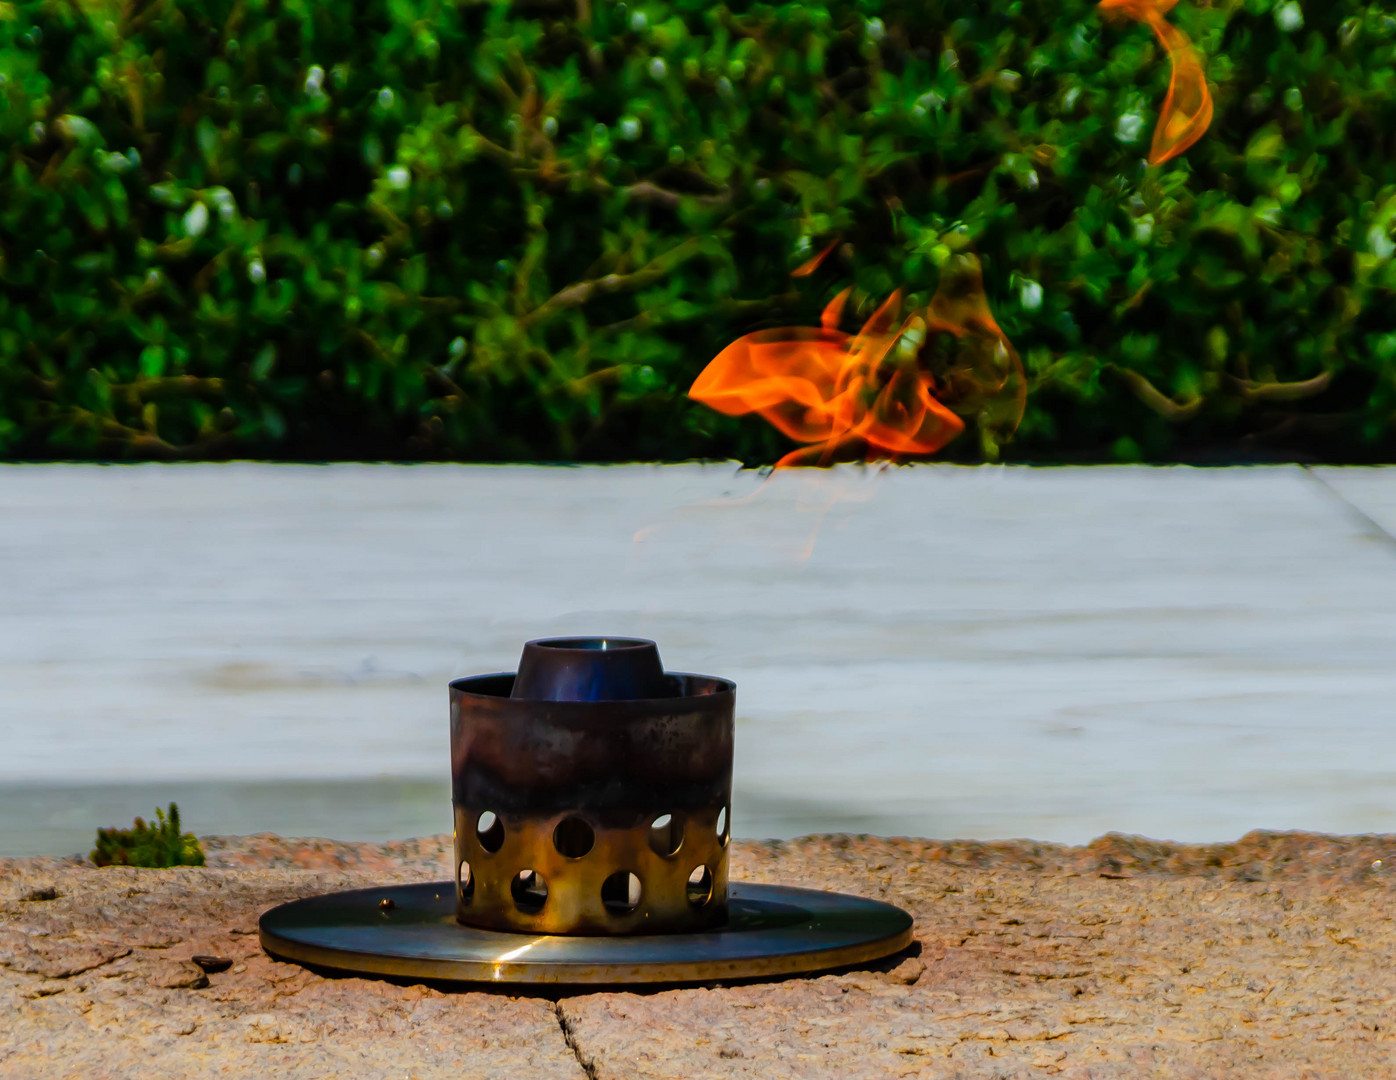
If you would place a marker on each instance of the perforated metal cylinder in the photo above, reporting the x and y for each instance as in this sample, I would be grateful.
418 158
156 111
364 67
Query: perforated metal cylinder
592 817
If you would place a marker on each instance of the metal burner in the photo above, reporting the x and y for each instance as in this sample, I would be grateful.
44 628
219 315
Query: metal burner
579 811
592 797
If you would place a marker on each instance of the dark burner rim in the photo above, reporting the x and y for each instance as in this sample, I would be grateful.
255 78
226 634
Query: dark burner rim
564 644
467 686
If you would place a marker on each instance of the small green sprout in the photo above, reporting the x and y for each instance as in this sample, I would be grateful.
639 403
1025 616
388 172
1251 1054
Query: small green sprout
145 845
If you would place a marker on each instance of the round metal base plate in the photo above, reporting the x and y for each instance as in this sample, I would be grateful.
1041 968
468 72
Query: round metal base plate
771 931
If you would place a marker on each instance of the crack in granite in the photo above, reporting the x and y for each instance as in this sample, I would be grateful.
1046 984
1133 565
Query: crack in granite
569 1036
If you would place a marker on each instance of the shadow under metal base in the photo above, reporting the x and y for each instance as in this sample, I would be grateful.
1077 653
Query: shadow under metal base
771 931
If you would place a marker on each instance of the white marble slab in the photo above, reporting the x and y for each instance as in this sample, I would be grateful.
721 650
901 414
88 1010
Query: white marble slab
932 650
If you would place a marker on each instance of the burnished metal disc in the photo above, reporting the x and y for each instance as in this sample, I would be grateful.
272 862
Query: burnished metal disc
772 930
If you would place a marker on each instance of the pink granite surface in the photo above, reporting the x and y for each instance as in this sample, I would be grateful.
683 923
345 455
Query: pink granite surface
1274 956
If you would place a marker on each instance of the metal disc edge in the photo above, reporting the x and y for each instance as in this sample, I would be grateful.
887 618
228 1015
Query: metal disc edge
545 973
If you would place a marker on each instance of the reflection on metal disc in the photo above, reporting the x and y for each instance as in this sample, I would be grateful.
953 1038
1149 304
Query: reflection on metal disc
772 931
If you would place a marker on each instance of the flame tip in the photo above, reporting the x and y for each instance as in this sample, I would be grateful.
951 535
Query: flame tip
1180 125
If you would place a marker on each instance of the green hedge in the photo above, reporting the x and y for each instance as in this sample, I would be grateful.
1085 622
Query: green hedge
417 228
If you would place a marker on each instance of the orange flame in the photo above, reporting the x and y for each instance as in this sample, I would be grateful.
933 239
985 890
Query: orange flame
1187 109
869 394
811 265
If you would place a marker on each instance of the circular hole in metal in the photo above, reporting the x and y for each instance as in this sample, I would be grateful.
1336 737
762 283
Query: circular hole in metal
489 830
530 891
573 837
666 835
621 892
722 826
465 882
700 886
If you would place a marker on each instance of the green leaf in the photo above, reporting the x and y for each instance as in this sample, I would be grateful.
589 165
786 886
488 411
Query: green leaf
152 361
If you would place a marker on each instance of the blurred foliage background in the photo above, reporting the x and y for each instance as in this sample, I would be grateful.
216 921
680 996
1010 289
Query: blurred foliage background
318 229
